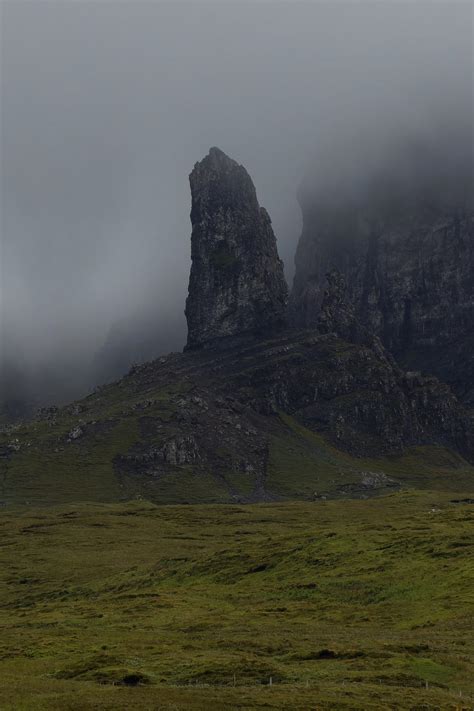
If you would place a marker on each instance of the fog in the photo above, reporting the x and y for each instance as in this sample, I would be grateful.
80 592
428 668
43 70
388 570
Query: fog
106 106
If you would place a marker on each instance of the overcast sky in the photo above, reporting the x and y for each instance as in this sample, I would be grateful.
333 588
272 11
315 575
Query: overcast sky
106 106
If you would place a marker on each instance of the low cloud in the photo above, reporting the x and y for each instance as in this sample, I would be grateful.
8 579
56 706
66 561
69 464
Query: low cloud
105 107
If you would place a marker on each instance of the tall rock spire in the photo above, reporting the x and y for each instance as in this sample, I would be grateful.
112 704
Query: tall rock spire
236 284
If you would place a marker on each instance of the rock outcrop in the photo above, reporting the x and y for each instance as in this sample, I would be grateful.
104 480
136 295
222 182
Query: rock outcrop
409 276
236 284
336 314
279 412
247 410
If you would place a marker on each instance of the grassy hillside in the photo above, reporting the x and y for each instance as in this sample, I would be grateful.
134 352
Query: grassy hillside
344 604
71 454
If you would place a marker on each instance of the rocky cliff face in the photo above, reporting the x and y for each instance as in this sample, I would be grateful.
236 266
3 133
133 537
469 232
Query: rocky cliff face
409 275
339 378
277 418
236 284
293 413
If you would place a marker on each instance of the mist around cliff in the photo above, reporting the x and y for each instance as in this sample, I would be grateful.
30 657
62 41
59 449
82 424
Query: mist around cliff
105 107
383 171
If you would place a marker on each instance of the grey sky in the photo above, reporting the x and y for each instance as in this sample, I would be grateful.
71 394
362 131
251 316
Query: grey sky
105 107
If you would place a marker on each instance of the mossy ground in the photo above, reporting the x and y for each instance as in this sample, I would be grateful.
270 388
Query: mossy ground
343 604
41 464
301 464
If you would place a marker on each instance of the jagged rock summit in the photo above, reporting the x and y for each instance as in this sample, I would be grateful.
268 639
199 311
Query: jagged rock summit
236 285
246 415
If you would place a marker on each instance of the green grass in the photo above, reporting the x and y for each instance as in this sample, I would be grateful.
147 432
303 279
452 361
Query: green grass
344 604
59 472
302 463
154 403
48 469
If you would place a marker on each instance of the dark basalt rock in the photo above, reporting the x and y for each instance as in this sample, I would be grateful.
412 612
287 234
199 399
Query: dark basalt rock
337 315
240 404
354 394
236 285
409 275
338 378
